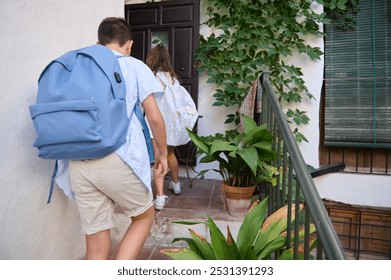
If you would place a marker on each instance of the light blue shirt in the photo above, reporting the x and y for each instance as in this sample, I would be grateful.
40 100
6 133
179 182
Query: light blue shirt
140 83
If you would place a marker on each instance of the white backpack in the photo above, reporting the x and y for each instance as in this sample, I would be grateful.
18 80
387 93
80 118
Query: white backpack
178 109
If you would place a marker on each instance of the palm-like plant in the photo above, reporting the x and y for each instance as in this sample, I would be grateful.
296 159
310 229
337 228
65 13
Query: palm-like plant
257 238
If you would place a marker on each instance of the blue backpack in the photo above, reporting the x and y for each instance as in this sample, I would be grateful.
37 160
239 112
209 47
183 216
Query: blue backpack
80 111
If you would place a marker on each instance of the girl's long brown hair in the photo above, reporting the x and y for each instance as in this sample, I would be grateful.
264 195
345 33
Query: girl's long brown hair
159 59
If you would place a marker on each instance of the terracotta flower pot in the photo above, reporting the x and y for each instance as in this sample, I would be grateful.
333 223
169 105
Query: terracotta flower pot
238 200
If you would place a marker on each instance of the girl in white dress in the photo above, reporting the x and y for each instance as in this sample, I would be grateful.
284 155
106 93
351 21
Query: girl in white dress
179 112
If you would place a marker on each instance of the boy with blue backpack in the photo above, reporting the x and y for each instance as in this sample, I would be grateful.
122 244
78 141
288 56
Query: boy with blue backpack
122 176
128 180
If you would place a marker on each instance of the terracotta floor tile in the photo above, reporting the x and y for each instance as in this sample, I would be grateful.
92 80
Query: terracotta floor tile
186 202
197 191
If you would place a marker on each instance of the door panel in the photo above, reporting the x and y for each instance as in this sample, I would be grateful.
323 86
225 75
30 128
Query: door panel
143 17
137 48
176 25
178 14
182 56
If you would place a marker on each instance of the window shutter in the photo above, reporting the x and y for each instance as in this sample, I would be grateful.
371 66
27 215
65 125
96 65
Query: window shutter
358 79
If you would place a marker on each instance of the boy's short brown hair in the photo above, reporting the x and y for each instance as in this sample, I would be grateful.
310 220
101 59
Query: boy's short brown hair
114 30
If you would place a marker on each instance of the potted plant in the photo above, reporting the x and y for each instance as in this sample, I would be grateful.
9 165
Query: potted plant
243 158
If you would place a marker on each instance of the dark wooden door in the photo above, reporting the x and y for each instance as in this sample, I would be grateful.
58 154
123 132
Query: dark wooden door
176 25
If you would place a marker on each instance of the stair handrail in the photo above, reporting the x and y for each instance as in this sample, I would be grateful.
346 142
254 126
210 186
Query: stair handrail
325 229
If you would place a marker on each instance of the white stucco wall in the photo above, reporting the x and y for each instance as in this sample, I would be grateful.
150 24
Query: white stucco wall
32 33
356 189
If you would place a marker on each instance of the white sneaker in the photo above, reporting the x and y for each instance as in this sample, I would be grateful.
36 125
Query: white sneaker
175 187
160 201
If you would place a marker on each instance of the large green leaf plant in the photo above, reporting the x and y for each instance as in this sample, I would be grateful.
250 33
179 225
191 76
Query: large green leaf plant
243 157
258 239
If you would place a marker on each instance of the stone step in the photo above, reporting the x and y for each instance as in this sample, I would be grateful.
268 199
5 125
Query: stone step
165 230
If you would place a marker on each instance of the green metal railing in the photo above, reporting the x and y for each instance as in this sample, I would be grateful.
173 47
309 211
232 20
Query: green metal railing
295 187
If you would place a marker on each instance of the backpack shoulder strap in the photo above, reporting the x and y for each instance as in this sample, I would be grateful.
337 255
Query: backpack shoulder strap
147 135
52 181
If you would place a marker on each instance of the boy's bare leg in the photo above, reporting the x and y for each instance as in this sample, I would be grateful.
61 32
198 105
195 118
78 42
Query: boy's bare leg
134 238
98 245
172 164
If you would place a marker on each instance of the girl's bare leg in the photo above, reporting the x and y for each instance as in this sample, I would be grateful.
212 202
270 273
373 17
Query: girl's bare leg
173 164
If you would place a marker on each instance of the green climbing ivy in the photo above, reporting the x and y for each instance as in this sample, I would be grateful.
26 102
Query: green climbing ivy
259 35
344 10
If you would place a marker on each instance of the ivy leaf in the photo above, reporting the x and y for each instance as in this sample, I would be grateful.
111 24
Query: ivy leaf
298 116
341 4
299 137
211 80
314 53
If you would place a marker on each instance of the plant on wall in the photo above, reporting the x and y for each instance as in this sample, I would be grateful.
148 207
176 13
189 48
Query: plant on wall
251 36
